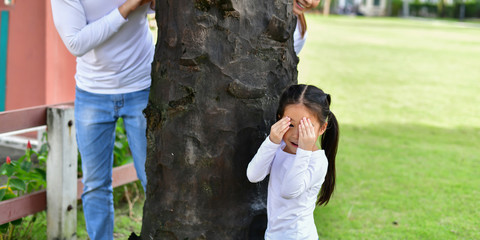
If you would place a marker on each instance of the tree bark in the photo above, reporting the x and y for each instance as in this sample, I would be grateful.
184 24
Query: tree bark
326 8
219 69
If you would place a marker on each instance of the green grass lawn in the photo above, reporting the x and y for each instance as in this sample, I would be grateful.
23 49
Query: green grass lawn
406 94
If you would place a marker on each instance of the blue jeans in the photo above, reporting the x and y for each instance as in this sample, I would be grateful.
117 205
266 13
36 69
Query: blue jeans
95 121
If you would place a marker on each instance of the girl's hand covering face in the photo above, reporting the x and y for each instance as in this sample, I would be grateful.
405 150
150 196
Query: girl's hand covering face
279 129
306 135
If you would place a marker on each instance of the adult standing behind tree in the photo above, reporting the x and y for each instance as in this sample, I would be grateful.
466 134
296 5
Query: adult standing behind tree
114 50
300 34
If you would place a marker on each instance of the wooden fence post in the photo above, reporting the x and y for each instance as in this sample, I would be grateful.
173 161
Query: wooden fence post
61 174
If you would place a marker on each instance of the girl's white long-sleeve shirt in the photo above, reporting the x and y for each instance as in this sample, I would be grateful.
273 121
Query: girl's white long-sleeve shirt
114 54
294 184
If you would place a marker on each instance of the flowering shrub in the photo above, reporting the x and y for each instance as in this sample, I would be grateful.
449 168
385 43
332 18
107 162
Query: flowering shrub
22 177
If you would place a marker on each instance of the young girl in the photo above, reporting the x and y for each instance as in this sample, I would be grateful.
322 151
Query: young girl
298 169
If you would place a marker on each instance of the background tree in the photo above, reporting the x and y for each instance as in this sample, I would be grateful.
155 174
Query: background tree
219 68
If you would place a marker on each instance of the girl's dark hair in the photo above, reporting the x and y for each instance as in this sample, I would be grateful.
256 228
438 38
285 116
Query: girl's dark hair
318 103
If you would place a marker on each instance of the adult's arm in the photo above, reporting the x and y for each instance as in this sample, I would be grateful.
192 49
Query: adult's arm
261 163
79 36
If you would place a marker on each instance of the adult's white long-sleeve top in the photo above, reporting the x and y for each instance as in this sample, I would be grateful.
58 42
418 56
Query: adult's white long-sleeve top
298 39
295 181
114 54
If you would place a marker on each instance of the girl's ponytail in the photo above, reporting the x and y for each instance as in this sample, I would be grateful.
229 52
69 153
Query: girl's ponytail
329 145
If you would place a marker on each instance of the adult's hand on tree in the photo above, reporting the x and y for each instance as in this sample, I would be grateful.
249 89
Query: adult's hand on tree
279 129
130 6
152 5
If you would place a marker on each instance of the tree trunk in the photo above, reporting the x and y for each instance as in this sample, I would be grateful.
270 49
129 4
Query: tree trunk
326 8
219 69
441 8
406 8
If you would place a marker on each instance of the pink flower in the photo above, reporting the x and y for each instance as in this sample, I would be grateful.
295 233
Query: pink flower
29 145
9 161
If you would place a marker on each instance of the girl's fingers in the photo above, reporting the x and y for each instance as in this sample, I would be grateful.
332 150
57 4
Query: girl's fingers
307 125
278 123
279 129
302 129
282 123
311 129
307 128
286 125
284 130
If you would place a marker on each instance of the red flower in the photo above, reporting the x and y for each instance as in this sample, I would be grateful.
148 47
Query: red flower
8 160
29 145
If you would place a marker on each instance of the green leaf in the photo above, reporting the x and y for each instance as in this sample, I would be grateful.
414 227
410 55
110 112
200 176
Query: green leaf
28 154
42 173
34 152
4 228
17 184
20 173
2 169
35 185
26 166
42 158
7 170
119 145
22 158
17 222
2 193
43 149
9 195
